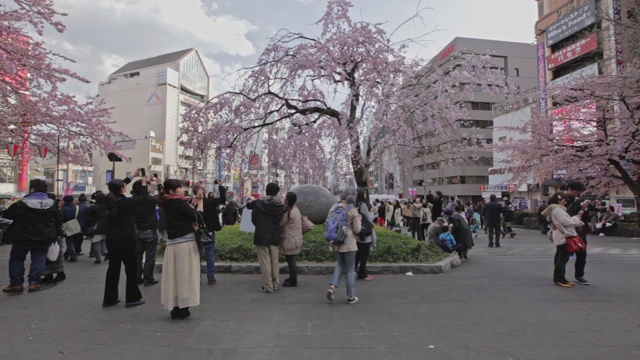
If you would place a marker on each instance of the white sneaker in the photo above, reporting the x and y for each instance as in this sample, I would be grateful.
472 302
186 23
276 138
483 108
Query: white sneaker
601 234
352 300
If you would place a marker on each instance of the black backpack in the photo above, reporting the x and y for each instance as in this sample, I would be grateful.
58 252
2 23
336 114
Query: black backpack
367 226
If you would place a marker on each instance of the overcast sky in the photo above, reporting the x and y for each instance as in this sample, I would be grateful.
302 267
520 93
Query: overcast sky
103 35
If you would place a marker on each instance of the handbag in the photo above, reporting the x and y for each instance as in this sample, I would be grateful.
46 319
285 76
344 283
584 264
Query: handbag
203 236
574 242
307 225
54 251
72 226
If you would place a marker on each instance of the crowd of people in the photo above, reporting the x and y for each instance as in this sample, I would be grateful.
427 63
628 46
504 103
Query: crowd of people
125 232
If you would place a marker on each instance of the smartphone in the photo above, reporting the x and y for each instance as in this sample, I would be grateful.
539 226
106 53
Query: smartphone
143 172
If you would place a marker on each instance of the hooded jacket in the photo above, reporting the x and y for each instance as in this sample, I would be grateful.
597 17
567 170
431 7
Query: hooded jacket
265 216
564 224
36 221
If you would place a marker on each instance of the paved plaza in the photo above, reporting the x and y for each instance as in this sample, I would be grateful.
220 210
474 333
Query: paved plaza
500 304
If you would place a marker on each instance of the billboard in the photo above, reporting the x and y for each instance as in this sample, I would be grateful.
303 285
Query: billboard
573 51
578 19
542 78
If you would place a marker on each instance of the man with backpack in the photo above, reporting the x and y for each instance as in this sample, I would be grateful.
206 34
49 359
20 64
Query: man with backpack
265 216
343 224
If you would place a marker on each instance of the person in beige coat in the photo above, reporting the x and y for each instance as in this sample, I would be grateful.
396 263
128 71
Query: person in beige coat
346 253
291 224
563 225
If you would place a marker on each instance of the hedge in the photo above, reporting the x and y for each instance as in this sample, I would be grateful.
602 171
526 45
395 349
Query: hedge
521 215
233 245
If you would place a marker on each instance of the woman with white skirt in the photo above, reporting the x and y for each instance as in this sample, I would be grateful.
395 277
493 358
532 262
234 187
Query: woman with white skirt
180 286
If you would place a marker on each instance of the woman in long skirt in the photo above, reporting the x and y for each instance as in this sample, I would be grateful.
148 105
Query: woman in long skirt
180 287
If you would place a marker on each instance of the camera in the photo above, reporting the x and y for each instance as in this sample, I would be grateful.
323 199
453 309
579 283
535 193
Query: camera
143 172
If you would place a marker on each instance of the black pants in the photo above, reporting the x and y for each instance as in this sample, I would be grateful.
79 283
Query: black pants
122 252
494 229
560 263
147 246
423 230
361 259
414 223
581 256
293 267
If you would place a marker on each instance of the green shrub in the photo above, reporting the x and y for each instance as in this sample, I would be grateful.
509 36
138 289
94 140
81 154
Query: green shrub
233 245
521 215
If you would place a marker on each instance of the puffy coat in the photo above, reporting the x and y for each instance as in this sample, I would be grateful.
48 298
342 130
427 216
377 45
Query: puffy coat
36 221
291 224
265 216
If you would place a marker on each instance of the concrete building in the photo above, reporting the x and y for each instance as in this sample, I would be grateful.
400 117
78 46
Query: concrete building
147 98
518 61
575 39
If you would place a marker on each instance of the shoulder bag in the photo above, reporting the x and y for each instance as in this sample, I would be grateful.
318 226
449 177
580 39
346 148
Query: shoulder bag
72 226
574 242
203 236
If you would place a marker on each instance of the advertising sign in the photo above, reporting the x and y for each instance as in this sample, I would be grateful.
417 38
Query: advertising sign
586 72
580 18
487 194
573 51
542 78
498 188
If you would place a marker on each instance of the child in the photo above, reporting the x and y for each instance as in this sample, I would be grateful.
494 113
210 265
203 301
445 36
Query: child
447 241
475 224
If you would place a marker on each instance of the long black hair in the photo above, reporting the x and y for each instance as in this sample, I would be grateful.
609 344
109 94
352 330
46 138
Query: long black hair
291 200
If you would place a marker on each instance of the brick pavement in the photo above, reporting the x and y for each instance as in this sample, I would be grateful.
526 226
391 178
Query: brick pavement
501 304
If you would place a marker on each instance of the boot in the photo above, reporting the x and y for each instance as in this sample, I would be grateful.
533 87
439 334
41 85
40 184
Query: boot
290 282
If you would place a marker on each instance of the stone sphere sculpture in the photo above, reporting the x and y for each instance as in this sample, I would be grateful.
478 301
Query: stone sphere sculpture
314 201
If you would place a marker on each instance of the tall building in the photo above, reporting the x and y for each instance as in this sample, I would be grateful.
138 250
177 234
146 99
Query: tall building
465 181
576 39
146 98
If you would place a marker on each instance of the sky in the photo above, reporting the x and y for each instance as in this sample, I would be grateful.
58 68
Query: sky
103 35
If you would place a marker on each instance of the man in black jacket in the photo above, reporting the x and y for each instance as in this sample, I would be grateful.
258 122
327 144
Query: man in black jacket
35 225
266 215
436 201
146 220
493 211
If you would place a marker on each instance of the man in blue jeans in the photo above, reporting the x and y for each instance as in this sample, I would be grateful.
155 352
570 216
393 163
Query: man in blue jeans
36 224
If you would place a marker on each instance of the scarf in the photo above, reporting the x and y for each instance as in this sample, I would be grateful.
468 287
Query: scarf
178 197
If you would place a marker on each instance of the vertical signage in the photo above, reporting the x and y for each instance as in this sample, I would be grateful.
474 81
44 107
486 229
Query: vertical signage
542 79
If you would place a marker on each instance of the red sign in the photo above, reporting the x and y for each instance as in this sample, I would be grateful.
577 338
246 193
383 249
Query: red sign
448 50
573 51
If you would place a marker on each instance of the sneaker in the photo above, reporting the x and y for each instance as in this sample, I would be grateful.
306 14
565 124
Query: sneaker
601 234
13 288
582 281
331 294
134 304
275 286
352 300
34 287
564 284
211 281
368 278
265 290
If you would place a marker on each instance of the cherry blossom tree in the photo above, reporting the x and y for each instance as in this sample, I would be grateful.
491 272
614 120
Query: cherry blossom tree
349 90
592 132
35 111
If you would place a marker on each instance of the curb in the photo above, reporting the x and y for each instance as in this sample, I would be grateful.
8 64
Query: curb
440 267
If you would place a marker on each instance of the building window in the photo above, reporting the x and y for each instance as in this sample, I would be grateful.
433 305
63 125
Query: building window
485 106
517 72
502 139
